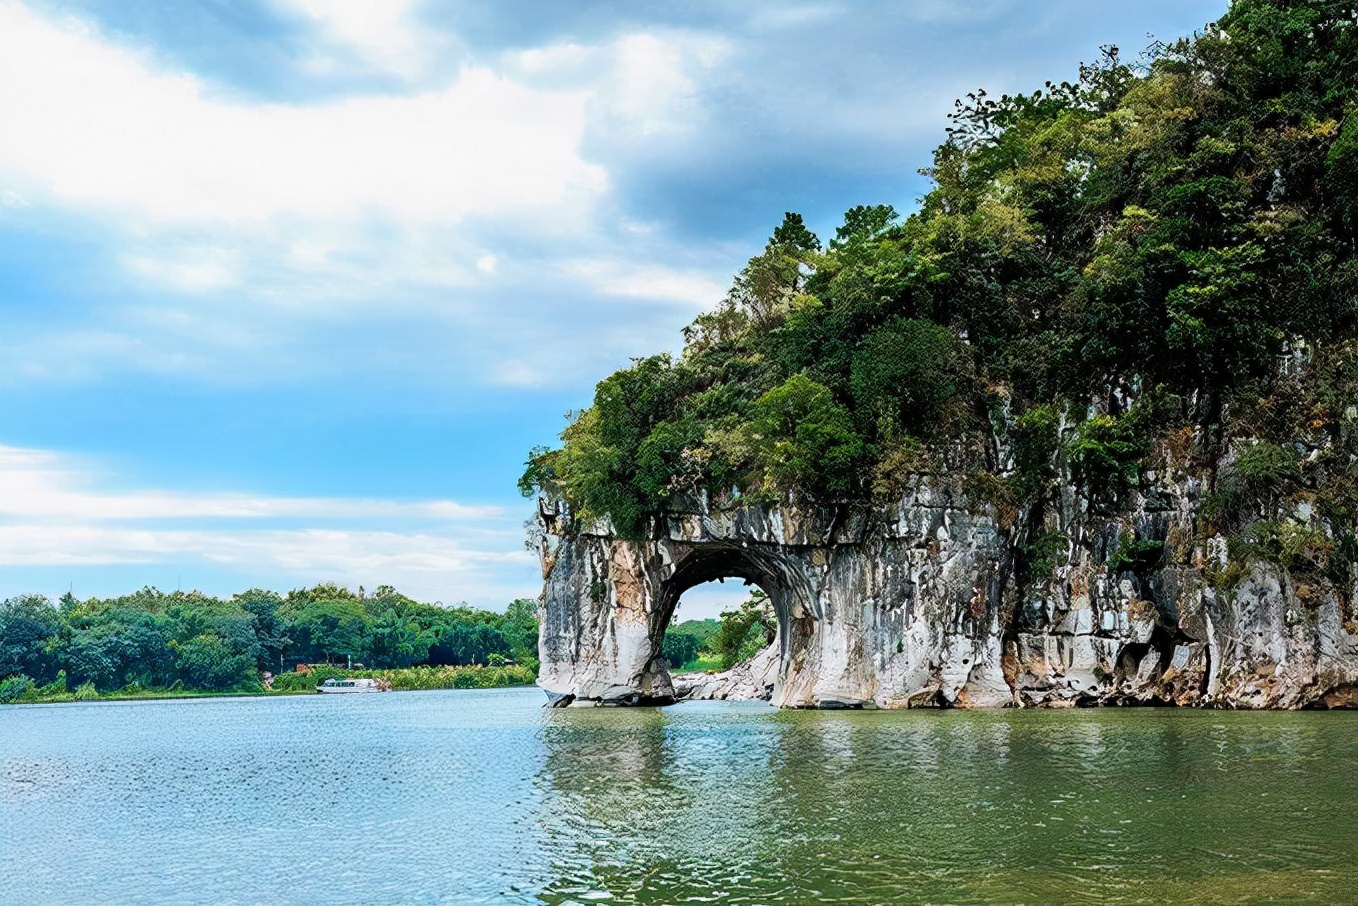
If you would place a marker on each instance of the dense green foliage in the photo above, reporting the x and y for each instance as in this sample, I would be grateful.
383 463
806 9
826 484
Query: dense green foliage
1154 251
682 644
745 632
153 640
738 636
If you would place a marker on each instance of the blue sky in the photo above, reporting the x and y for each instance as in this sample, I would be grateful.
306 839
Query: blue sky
288 289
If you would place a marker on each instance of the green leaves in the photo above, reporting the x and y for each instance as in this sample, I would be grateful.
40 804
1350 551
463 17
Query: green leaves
1106 453
208 661
745 632
1172 228
1252 484
863 224
904 374
805 440
30 628
149 640
1341 173
793 236
1134 555
661 458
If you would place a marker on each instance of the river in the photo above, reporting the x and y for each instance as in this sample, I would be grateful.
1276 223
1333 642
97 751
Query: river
485 796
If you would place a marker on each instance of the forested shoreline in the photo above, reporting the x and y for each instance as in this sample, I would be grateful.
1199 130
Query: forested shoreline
159 644
154 644
710 645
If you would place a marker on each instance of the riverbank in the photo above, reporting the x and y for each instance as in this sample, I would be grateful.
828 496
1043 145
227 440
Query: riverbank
406 679
413 679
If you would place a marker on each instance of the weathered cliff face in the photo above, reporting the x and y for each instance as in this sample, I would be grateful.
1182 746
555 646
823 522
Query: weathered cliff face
918 604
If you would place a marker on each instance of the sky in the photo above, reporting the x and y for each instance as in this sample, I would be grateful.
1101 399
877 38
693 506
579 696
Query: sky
288 288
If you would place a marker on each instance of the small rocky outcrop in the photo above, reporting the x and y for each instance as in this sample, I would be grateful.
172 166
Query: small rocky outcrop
753 680
918 604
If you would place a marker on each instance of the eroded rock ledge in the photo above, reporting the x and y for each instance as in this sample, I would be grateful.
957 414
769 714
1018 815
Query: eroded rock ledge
917 605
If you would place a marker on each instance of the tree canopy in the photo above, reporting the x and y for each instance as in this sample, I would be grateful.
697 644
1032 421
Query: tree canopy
1098 265
151 639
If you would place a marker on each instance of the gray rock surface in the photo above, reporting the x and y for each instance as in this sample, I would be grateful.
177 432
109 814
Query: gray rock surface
918 604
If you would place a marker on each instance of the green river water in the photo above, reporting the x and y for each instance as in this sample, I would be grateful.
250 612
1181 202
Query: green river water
485 796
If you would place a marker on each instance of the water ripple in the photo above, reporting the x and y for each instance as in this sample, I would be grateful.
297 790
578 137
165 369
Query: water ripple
484 796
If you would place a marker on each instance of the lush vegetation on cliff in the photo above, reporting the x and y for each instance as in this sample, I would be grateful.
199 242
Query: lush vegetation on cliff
151 641
1152 266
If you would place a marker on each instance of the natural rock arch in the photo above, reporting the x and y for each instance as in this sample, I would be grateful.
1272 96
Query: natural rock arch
916 603
793 602
848 592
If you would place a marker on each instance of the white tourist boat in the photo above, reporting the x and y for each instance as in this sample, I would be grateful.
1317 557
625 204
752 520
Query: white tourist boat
340 686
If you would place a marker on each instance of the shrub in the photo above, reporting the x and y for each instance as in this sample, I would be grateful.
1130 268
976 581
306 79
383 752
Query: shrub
305 682
745 632
805 440
207 661
29 625
1106 452
55 689
1341 178
1252 485
1289 544
1134 555
905 373
1035 440
409 679
680 647
1041 554
13 688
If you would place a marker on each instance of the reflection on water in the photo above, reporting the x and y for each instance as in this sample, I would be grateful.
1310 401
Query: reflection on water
487 797
724 801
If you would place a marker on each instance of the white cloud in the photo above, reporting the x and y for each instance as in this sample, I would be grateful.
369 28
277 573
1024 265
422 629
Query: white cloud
518 373
555 58
380 33
617 278
792 16
204 270
57 511
93 125
426 566
39 484
256 228
323 552
653 88
642 85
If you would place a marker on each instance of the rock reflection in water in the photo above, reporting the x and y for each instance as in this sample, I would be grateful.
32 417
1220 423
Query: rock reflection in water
744 802
487 797
654 804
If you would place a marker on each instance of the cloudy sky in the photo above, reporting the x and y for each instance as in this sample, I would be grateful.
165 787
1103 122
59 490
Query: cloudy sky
288 288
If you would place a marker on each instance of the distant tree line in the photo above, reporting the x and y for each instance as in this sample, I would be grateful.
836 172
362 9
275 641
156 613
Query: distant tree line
739 635
151 639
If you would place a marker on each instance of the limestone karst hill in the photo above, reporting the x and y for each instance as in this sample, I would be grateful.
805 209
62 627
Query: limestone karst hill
1083 428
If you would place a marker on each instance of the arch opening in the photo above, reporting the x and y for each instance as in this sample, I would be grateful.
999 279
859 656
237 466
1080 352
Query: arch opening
717 625
741 609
